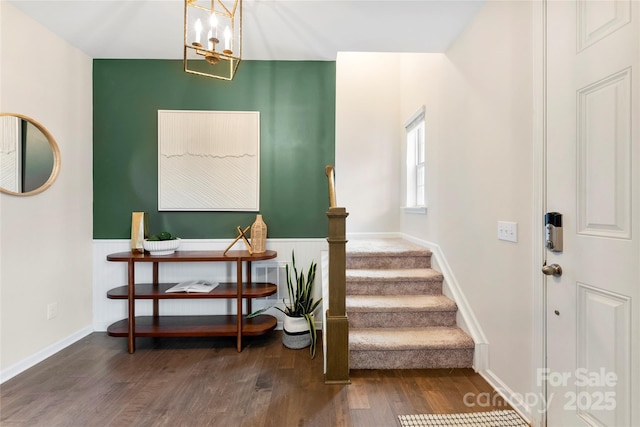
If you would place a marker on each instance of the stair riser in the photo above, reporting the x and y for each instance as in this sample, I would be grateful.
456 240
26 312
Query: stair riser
388 262
411 359
392 324
394 288
361 319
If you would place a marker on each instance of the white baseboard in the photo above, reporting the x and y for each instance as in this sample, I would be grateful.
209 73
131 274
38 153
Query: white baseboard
466 318
514 399
41 355
469 323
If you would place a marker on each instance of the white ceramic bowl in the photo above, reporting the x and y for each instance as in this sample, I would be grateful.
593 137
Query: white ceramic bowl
161 247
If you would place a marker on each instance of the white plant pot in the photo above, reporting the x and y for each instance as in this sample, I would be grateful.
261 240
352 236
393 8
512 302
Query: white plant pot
161 247
295 332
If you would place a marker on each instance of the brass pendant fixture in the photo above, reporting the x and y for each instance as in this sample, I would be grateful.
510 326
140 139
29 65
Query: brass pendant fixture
212 37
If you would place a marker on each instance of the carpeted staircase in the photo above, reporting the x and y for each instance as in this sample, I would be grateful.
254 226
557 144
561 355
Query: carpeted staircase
398 316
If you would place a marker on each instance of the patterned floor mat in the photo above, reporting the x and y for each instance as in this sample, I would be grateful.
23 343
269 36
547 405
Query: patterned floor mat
507 418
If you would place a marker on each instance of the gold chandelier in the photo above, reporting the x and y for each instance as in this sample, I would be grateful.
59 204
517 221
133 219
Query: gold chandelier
212 37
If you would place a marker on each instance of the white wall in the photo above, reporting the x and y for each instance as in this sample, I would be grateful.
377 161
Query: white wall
45 240
489 87
479 127
421 81
478 112
482 145
367 159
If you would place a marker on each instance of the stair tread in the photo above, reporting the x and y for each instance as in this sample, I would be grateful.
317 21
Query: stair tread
409 338
384 247
407 274
392 282
396 303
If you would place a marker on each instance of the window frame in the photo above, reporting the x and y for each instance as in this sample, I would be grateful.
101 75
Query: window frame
415 197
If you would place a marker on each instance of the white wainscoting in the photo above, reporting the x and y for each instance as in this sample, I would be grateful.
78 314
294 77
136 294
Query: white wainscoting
108 275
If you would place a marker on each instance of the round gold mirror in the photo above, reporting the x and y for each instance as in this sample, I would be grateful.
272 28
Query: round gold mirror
29 156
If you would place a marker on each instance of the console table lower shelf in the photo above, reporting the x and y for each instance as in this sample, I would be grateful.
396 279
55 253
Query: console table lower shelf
193 326
242 291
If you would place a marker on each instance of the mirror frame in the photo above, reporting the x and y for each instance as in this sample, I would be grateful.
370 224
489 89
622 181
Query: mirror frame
56 157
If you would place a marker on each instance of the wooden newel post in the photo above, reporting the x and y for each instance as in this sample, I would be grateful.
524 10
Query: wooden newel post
337 327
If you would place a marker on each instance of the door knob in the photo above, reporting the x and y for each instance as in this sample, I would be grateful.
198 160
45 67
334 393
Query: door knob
552 270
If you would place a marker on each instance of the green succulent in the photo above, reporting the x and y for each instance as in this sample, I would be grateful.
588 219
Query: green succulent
165 235
301 303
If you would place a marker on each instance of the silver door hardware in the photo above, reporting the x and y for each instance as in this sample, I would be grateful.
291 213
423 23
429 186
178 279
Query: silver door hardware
552 270
553 231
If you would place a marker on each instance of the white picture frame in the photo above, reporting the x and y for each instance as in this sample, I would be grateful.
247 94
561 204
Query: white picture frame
208 160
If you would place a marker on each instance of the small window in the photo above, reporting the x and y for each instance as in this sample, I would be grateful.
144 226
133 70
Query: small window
415 162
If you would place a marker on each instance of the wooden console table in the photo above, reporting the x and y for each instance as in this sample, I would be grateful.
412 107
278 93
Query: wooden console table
182 326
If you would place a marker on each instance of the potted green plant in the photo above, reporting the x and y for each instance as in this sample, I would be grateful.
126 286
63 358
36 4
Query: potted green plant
299 322
162 244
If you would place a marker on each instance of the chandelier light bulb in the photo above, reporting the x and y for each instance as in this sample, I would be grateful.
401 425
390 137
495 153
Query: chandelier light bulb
198 28
227 38
214 23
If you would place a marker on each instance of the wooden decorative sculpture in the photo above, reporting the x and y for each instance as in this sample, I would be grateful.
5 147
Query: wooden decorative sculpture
241 235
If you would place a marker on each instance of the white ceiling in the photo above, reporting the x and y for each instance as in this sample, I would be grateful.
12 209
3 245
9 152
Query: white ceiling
272 29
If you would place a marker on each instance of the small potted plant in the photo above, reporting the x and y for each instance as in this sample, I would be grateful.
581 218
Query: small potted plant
299 321
162 244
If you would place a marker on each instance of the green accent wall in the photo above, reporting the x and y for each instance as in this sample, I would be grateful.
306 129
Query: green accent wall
296 101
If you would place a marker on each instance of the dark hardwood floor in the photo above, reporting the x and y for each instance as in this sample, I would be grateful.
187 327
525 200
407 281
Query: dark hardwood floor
206 382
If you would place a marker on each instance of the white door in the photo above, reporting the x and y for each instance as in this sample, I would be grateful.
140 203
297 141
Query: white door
593 180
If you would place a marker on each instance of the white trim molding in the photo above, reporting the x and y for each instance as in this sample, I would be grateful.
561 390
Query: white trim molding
414 209
34 359
466 319
469 323
539 31
516 400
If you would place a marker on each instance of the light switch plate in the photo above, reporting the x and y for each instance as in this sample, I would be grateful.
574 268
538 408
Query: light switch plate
52 310
508 231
